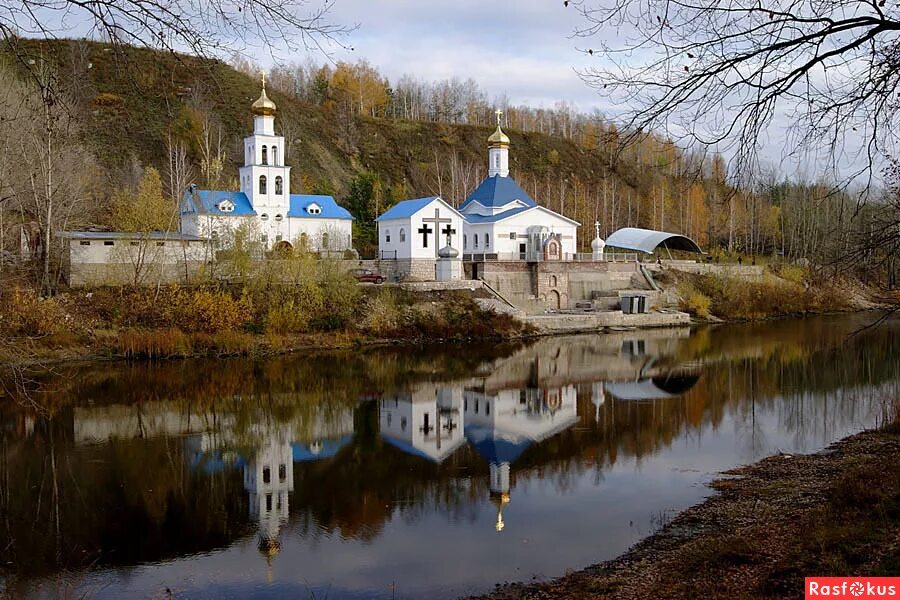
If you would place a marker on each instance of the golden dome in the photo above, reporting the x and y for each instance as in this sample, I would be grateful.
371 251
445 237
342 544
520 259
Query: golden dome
498 138
263 106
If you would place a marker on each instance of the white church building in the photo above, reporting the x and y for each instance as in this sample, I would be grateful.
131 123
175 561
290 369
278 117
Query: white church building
264 201
498 221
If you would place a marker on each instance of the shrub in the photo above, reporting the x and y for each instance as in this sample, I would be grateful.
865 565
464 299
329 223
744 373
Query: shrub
207 310
382 313
156 343
693 301
286 318
27 314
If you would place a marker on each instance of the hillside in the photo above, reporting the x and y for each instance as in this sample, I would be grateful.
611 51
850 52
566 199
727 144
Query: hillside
129 99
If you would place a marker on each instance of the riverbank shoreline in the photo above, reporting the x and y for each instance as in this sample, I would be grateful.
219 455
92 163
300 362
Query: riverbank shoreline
767 526
36 354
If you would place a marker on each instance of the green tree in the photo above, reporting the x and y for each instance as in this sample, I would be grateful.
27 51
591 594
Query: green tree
145 209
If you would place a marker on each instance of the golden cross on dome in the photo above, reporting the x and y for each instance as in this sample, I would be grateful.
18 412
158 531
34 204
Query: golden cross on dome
499 116
262 75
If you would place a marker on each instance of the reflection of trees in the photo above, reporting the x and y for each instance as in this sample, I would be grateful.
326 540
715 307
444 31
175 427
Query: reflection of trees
132 500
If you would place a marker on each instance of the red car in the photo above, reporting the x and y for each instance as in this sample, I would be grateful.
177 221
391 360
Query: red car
367 275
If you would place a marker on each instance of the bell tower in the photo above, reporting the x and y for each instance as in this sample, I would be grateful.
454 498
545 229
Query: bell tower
265 179
498 151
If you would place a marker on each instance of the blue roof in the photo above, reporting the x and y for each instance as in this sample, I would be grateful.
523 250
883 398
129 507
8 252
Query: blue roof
476 219
496 449
497 191
303 452
330 208
406 208
207 202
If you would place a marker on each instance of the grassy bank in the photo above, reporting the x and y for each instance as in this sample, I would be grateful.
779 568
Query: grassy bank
220 320
771 524
781 292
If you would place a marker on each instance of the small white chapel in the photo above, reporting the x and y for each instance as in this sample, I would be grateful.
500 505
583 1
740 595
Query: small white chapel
498 220
284 220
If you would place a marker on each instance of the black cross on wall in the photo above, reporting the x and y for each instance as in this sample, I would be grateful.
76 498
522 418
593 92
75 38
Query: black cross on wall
425 230
449 231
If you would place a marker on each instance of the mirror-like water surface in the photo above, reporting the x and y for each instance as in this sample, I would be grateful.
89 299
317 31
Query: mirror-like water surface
398 473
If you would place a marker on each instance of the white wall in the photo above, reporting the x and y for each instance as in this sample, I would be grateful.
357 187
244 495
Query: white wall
500 242
413 247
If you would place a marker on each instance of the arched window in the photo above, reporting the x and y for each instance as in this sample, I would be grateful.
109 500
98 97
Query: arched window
487 240
387 235
304 240
275 155
476 240
496 160
279 186
325 241
553 281
265 158
465 241
262 184
402 235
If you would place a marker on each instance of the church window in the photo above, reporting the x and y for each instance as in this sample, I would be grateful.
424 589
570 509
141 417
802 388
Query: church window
402 235
402 423
487 409
553 281
466 405
262 184
109 243
314 209
267 475
465 241
387 236
268 502
487 240
160 243
84 243
282 472
278 218
476 407
512 235
275 155
265 155
138 243
325 241
279 186
476 241
304 240
264 216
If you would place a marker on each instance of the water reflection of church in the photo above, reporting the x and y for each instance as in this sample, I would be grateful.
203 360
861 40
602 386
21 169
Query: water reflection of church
433 422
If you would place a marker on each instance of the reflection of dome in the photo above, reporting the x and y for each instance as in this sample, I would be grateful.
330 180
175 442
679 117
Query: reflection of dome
448 252
269 547
499 500
315 447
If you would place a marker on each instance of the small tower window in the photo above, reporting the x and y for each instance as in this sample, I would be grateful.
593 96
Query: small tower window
275 155
262 184
265 155
279 186
278 218
487 240
267 475
264 217
402 235
282 472
387 236
496 159
476 240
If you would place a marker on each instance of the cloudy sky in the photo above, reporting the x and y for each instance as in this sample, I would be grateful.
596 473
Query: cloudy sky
522 48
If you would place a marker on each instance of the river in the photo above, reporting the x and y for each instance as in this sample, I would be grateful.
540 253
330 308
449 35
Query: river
408 472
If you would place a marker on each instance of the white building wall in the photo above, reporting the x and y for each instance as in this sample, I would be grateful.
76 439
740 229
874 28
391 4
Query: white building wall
401 244
499 232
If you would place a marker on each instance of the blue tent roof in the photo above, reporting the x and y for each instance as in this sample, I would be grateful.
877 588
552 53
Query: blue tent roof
406 208
214 462
496 449
303 453
330 208
207 202
497 191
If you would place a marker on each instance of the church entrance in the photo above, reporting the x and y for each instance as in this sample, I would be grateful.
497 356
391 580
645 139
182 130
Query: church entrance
283 246
554 299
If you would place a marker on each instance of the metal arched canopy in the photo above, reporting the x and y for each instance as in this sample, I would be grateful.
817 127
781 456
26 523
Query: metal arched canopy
647 240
